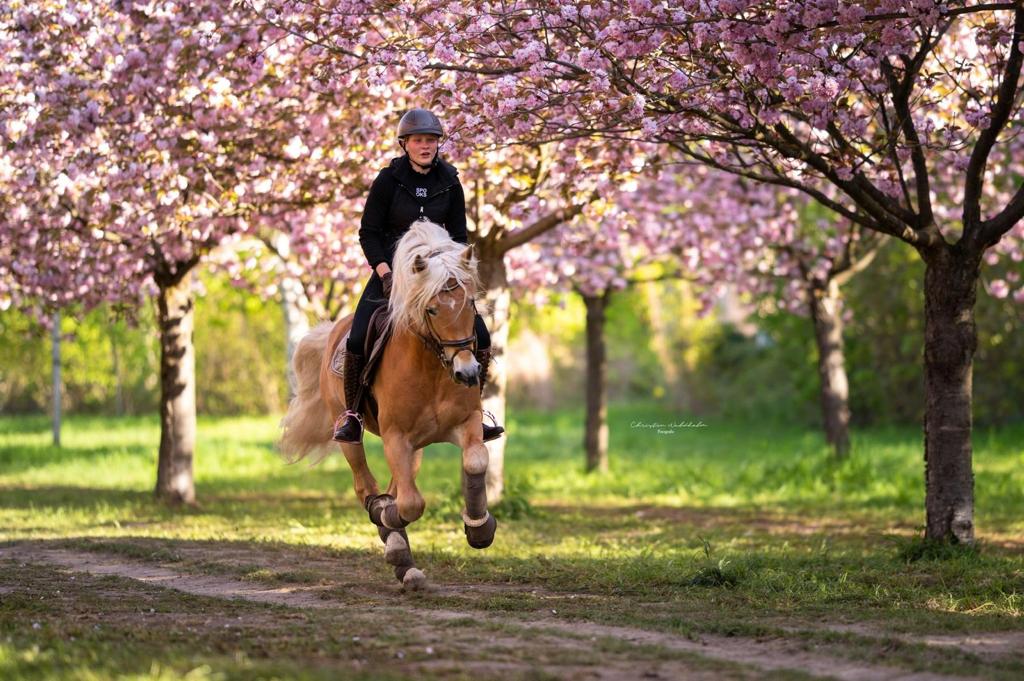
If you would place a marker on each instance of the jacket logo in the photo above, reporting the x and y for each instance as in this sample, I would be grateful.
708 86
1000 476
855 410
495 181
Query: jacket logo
421 192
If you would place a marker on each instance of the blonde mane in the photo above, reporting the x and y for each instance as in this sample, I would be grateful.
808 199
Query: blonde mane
411 291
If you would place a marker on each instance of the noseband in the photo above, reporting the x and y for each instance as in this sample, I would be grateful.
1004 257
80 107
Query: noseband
438 345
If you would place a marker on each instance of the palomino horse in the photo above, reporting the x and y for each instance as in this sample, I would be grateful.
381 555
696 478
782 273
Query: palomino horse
425 387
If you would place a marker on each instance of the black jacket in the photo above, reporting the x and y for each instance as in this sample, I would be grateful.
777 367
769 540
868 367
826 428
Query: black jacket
400 195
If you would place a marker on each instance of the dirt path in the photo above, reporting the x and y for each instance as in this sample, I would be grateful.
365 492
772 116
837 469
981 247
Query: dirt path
623 653
984 643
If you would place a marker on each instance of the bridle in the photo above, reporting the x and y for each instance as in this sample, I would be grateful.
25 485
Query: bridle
438 345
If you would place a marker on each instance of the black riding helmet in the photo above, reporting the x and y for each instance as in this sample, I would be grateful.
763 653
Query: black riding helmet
419 122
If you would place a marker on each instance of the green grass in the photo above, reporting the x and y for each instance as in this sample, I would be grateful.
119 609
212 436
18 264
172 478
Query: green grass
95 632
739 528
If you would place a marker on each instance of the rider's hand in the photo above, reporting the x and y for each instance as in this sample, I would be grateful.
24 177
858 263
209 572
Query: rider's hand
386 281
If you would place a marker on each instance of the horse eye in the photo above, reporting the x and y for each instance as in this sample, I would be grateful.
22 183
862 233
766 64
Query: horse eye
432 311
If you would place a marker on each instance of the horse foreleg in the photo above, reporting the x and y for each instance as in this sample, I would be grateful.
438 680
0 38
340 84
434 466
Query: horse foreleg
479 524
397 551
417 459
402 504
396 542
409 503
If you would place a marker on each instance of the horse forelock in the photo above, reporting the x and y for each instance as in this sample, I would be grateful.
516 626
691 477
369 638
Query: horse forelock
412 291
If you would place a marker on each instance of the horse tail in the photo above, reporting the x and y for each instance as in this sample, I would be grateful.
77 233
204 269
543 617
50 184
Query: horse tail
307 424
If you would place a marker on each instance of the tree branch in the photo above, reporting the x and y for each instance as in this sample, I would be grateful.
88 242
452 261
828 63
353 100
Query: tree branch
901 101
778 180
671 275
990 231
851 264
889 217
889 16
1001 110
517 195
535 229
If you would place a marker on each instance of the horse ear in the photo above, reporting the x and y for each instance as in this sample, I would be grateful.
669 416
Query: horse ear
467 256
419 264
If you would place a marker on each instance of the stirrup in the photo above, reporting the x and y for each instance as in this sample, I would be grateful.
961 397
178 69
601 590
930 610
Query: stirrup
495 431
344 419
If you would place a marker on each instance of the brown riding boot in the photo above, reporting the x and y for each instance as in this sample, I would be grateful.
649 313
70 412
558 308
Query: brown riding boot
483 356
349 426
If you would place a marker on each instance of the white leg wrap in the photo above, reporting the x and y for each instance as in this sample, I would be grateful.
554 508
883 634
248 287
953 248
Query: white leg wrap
479 522
396 550
395 543
384 514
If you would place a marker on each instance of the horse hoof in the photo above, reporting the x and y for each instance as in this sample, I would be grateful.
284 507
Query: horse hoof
396 550
482 537
414 579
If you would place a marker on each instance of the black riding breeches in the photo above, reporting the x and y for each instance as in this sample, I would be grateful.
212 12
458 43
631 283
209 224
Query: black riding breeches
371 299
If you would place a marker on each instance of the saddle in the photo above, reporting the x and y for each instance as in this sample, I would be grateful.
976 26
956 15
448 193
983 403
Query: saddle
378 333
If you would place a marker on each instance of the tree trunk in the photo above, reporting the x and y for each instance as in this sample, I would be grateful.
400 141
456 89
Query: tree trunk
595 436
118 378
495 282
670 362
296 325
174 481
950 340
826 305
57 383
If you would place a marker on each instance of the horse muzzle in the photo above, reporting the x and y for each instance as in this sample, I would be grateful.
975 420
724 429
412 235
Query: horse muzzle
466 370
468 378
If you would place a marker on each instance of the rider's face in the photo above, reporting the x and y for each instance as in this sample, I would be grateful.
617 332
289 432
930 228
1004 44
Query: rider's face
421 148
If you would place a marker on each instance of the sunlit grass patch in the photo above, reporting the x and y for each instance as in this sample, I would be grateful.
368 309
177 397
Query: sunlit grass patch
756 519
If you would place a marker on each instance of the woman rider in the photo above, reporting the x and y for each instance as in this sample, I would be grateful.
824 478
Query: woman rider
418 184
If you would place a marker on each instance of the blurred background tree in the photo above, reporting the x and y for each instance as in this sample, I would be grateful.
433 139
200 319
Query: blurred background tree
112 365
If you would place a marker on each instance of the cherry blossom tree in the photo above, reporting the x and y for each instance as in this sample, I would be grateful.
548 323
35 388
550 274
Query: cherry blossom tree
471 133
600 252
517 196
909 110
514 195
137 138
717 231
770 244
590 256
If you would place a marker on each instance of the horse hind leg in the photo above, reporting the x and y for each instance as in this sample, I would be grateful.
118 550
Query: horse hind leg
362 478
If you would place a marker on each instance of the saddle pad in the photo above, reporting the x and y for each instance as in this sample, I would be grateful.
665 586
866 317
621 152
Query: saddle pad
338 359
377 335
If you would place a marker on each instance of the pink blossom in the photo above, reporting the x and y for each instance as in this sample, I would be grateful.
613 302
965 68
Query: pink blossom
998 288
